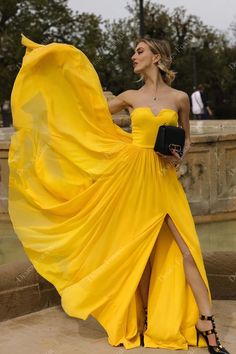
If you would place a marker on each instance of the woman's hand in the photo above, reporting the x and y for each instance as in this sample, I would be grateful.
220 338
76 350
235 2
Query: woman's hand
176 159
173 160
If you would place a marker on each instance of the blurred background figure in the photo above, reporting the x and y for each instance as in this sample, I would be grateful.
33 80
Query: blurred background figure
200 107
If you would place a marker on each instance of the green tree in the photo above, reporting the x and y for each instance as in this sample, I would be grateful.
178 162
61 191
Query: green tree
113 63
43 21
88 34
110 44
156 19
215 56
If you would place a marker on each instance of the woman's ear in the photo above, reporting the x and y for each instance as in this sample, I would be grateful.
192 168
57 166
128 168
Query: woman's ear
156 58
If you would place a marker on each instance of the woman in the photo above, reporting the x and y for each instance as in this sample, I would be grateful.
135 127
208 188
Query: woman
101 215
152 59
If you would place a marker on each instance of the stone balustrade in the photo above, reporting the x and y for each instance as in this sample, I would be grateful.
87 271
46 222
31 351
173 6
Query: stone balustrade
208 173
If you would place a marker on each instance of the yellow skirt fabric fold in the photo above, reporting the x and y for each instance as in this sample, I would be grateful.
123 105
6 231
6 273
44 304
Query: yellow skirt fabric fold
88 203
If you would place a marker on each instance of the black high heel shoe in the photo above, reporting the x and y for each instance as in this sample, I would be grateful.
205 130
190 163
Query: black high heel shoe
211 348
145 327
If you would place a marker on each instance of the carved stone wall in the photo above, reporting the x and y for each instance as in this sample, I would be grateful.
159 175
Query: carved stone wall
209 174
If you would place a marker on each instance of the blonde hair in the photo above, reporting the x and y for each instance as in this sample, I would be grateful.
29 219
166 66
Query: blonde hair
162 47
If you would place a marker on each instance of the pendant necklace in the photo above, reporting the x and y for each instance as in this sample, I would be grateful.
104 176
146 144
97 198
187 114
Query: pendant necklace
155 97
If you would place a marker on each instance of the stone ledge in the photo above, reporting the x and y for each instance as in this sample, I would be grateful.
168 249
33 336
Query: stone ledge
212 138
221 273
23 290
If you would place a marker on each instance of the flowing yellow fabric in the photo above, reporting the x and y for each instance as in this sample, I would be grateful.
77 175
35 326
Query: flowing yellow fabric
88 202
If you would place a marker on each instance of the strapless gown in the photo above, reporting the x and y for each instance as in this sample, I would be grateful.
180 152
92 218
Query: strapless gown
88 201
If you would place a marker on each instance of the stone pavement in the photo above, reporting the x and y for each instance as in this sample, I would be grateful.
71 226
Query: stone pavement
52 331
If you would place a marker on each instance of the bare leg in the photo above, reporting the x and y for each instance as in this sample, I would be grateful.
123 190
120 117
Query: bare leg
195 281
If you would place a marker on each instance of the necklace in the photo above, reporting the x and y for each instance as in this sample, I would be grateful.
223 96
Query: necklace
155 97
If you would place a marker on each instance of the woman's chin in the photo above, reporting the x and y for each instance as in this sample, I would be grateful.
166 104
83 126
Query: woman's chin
137 70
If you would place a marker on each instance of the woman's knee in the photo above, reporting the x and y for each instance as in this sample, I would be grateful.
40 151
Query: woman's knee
187 255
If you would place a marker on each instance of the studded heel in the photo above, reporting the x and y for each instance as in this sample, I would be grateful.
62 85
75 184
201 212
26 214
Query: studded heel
211 348
144 328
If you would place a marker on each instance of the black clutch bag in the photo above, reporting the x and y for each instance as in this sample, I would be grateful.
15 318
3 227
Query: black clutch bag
170 137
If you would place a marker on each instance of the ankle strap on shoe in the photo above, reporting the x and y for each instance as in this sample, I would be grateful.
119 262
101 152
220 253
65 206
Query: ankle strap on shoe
213 330
204 317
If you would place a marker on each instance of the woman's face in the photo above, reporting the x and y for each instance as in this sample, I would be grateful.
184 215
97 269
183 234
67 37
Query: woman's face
143 58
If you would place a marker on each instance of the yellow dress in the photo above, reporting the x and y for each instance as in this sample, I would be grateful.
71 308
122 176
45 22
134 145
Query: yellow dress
88 202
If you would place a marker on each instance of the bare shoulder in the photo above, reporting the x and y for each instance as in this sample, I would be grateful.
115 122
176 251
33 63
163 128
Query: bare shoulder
181 99
180 95
128 96
121 101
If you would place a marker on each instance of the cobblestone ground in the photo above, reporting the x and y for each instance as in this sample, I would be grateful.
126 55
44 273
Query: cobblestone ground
51 331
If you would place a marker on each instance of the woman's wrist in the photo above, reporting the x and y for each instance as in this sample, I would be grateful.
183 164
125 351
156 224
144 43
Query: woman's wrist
187 145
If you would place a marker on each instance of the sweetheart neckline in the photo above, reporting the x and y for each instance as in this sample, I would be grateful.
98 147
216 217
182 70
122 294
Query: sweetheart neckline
155 115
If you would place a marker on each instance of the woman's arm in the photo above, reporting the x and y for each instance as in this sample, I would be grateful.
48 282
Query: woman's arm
120 102
184 110
183 113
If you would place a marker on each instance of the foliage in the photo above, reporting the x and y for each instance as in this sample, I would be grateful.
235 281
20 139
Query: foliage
110 44
41 20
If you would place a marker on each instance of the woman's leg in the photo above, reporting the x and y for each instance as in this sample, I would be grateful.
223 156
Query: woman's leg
195 281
